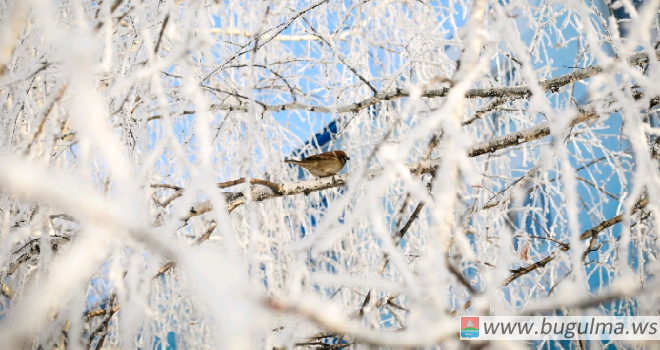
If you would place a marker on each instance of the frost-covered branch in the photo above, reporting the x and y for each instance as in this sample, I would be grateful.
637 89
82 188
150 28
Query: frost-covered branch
237 199
329 318
113 111
591 233
553 85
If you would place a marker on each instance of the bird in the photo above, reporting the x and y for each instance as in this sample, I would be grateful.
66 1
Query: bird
324 164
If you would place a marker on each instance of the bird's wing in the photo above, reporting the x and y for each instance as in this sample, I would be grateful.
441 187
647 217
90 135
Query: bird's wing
322 156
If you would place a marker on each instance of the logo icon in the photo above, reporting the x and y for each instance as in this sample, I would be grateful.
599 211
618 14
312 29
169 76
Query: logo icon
469 327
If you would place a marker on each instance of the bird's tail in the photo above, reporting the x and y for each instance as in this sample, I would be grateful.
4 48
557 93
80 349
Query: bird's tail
291 161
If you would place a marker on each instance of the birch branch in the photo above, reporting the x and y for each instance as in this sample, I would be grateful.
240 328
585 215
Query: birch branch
523 136
267 35
590 233
494 92
328 317
236 199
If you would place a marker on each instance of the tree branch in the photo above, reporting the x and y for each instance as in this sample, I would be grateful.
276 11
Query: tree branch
266 36
590 233
515 138
494 92
328 318
236 199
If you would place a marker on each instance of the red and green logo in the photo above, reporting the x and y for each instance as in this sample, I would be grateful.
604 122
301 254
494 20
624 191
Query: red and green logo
469 327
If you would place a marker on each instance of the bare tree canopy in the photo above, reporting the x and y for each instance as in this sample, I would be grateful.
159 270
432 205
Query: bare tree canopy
503 161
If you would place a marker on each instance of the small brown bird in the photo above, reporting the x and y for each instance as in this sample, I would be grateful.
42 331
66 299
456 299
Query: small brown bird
324 164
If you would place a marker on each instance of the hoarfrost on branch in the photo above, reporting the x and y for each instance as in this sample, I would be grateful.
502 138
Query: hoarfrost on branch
503 162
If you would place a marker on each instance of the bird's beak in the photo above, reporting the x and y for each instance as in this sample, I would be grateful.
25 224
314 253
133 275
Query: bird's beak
348 158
